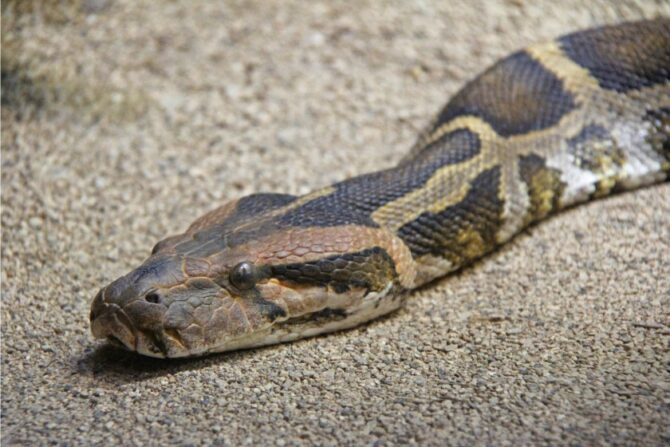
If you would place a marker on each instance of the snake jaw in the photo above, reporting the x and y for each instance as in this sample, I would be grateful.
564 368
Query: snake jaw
109 321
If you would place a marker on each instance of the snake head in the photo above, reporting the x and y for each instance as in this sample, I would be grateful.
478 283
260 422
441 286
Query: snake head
237 279
171 306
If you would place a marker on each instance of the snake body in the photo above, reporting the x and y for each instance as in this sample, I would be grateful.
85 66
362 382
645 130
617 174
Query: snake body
548 127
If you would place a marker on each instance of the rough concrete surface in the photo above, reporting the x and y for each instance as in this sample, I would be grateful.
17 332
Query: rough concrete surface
122 121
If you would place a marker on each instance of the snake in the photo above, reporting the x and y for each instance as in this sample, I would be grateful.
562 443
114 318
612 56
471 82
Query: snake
546 128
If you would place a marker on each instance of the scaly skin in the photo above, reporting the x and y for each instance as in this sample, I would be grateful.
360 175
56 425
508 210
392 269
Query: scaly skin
548 127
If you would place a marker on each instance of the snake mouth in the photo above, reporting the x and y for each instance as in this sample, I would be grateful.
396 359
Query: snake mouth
115 326
116 341
109 321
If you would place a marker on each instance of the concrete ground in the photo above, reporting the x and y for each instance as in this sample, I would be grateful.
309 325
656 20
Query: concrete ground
122 121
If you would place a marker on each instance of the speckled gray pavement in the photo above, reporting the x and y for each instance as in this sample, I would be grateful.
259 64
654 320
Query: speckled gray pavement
122 121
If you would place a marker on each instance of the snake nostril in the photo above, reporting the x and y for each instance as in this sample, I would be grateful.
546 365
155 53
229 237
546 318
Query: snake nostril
153 297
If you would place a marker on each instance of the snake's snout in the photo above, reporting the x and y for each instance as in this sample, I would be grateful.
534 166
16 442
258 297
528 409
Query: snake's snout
149 310
110 322
136 324
97 306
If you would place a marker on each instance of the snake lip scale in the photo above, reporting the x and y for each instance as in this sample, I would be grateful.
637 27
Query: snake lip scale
554 125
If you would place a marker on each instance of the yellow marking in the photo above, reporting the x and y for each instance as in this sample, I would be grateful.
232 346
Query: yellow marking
583 86
495 150
472 243
604 186
543 188
395 214
576 79
472 123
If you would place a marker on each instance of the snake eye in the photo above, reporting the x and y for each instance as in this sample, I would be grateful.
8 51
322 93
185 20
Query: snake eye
243 275
153 297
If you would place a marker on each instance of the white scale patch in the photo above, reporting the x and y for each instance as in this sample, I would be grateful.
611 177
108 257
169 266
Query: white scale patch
431 267
642 166
580 183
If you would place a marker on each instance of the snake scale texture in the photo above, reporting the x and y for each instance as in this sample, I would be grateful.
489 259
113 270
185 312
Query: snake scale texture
548 127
